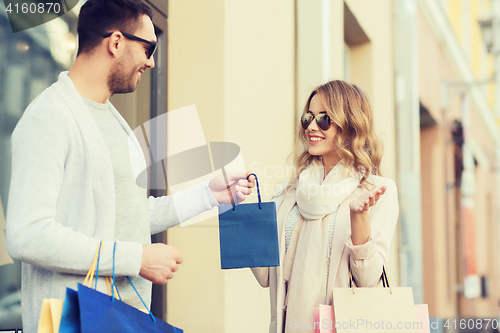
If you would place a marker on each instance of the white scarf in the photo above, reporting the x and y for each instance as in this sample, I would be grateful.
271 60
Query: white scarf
315 198
307 278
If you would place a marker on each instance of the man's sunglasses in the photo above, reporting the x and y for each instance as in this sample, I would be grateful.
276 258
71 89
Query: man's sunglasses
150 50
323 120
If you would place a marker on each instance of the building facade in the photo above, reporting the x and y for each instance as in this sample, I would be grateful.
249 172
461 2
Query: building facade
459 160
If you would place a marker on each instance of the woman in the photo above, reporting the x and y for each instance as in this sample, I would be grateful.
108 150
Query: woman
335 214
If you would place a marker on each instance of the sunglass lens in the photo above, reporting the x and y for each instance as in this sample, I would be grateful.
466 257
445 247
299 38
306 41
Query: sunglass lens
151 51
323 121
306 120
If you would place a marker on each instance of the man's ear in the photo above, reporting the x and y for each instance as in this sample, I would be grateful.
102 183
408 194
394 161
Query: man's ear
115 44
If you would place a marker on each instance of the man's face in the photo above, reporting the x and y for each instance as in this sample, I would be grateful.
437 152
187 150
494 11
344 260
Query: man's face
126 74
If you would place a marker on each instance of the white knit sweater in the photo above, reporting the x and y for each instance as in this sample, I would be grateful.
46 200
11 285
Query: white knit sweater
62 199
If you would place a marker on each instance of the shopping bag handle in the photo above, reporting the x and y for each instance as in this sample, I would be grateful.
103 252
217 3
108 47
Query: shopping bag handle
115 287
385 280
94 272
95 268
258 191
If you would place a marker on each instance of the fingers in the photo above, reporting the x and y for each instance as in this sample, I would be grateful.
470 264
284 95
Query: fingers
245 183
251 178
241 196
371 199
168 277
367 200
234 175
160 262
359 206
180 259
381 191
367 204
175 266
241 178
374 196
243 188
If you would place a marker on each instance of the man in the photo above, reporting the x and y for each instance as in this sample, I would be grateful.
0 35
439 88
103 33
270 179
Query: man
72 183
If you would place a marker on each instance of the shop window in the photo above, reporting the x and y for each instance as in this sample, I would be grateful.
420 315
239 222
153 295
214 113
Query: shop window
30 61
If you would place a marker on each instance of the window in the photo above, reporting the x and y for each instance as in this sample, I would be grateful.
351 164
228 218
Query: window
30 61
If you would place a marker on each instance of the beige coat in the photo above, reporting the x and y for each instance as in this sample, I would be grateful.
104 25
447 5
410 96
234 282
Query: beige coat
366 260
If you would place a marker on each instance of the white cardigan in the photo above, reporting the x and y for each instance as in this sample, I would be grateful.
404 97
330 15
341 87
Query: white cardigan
62 199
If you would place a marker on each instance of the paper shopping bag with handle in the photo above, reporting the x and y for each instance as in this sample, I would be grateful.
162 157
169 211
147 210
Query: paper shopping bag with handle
248 234
90 311
423 318
374 310
323 316
50 317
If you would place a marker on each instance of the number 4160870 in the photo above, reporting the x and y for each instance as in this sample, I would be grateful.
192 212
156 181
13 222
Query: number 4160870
34 8
471 323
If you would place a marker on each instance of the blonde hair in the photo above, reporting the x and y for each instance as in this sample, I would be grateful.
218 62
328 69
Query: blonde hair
355 142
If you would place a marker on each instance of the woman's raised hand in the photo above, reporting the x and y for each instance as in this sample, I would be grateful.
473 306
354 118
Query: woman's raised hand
367 200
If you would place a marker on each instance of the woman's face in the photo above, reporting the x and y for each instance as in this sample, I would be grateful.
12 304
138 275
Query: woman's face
320 142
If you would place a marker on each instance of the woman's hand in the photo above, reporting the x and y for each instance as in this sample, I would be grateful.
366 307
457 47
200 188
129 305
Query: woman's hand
360 221
366 200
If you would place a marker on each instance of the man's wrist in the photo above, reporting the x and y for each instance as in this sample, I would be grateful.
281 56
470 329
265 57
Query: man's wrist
213 201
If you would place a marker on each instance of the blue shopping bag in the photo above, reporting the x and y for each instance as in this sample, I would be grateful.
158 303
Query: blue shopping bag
248 234
70 318
90 311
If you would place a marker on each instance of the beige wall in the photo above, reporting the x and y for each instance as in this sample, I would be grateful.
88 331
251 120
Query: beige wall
375 17
195 297
258 116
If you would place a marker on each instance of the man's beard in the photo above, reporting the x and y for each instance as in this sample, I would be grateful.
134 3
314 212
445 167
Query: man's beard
121 77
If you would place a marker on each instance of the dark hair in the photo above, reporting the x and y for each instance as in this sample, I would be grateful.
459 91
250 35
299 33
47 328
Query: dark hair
98 17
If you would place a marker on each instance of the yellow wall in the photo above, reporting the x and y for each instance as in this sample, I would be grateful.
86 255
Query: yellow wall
479 9
259 117
477 39
337 39
455 17
195 297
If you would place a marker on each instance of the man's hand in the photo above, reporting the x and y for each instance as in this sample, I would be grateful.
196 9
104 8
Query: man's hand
159 262
237 181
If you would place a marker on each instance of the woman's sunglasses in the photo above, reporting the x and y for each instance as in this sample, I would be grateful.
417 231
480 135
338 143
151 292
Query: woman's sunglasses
149 51
322 119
